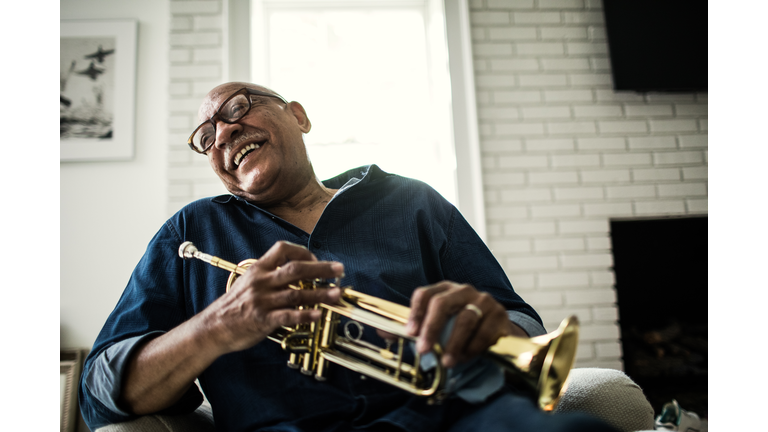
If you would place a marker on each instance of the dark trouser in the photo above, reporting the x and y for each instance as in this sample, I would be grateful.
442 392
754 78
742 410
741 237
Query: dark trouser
512 413
506 411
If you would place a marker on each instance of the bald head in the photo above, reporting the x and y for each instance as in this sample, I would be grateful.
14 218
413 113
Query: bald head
209 104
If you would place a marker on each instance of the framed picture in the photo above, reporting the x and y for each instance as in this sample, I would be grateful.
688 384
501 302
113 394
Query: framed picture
69 375
98 83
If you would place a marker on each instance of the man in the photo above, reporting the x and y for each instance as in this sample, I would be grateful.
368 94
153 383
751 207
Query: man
383 234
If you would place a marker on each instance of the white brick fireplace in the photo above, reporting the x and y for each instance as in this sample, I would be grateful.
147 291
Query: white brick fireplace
562 152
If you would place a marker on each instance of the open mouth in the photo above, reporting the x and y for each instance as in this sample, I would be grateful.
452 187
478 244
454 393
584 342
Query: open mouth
245 152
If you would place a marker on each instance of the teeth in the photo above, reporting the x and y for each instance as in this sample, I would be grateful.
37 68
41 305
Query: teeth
239 156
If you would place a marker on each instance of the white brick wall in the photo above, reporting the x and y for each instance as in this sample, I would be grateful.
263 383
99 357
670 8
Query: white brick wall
563 154
196 57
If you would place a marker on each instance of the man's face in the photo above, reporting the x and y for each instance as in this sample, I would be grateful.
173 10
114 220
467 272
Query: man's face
262 156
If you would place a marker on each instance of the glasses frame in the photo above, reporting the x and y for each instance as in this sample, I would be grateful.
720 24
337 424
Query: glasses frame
244 90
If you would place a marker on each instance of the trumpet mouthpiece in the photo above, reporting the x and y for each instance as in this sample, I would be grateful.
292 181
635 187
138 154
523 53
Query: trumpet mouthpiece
187 250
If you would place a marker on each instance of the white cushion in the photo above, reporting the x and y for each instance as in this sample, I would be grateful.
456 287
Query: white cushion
610 395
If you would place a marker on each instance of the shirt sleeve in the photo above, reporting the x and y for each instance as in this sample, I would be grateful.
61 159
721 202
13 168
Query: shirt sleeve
104 378
528 324
152 303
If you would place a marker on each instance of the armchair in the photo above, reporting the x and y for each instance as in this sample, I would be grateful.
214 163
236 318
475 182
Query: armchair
604 393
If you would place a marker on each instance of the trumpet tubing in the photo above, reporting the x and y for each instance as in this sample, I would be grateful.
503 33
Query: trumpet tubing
541 363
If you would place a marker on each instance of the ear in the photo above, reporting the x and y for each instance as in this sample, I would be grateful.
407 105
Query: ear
301 116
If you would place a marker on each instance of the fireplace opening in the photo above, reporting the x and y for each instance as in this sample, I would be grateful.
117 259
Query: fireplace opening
661 285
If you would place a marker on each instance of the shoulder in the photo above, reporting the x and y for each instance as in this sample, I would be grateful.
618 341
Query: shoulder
393 194
373 179
418 193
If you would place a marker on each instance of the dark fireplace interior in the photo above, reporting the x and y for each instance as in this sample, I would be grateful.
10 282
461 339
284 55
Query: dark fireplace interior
661 284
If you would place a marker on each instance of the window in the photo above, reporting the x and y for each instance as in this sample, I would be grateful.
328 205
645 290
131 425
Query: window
374 79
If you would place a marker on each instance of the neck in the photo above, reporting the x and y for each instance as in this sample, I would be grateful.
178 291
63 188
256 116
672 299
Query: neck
304 208
305 199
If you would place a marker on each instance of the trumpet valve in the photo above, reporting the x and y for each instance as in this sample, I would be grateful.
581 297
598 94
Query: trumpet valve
294 361
320 369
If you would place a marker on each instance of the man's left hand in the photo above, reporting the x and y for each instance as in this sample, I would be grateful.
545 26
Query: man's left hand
477 326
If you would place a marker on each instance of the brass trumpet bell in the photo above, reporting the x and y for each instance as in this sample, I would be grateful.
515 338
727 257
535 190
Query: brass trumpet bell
540 364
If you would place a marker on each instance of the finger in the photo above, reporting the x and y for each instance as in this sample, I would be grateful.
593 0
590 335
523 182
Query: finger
494 325
441 307
282 252
306 270
292 317
290 298
420 302
467 321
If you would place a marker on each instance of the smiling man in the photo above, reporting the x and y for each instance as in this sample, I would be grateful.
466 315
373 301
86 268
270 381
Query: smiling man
261 158
385 235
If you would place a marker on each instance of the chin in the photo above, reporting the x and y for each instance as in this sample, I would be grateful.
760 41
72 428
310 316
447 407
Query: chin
251 186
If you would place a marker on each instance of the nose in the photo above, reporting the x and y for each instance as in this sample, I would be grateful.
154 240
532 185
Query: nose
225 132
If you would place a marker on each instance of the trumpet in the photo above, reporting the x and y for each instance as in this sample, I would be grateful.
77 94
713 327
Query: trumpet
541 364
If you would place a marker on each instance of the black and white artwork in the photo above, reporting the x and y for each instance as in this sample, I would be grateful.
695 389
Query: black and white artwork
97 83
87 87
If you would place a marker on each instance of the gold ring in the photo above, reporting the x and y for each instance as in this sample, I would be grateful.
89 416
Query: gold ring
475 309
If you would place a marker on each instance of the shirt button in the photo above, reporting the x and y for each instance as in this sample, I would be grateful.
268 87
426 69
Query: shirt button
316 244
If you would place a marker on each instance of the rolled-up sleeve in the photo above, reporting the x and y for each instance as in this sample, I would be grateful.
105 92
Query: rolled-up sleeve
528 324
105 376
152 303
101 385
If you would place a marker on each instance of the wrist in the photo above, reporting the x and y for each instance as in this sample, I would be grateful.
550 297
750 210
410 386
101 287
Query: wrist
209 334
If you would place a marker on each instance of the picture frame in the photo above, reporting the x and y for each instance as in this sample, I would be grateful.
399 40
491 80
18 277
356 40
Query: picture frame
98 89
71 363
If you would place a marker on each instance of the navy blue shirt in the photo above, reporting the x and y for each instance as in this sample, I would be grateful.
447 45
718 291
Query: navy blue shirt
393 234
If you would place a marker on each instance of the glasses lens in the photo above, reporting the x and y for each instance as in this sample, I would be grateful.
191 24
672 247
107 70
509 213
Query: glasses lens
234 109
204 137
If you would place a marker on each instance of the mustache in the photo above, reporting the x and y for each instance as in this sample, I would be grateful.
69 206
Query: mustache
245 137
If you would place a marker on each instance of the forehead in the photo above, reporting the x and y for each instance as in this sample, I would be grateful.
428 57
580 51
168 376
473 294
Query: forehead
219 94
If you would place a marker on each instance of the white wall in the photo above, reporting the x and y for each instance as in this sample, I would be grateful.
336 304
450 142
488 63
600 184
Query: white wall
110 210
563 154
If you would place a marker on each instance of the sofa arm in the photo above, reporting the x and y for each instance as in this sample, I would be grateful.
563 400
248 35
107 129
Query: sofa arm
199 421
610 395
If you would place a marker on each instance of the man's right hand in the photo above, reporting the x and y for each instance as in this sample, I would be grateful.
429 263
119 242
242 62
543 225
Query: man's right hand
163 368
260 301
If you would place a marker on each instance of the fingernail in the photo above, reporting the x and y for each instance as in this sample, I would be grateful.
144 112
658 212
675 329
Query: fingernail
338 268
421 346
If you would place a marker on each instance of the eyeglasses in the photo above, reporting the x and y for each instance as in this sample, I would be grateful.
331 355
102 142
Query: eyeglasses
230 111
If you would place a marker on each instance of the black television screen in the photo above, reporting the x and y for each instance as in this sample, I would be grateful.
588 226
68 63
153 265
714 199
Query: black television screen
657 45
